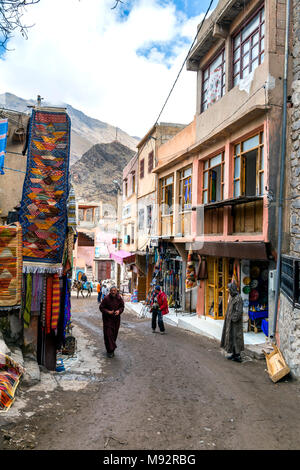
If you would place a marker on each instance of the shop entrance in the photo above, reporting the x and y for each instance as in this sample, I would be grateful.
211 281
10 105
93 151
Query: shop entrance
220 271
256 285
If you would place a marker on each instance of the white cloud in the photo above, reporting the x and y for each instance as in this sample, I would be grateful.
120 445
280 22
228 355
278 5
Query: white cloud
85 54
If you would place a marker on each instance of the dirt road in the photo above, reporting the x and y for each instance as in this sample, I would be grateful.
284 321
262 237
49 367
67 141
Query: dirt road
176 391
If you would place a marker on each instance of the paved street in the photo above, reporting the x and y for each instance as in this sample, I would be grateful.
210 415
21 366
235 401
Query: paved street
176 391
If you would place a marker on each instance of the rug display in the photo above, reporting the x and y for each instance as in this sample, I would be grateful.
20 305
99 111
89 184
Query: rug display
10 266
10 374
43 213
3 141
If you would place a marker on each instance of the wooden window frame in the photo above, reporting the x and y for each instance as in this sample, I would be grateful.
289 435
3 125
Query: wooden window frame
163 193
239 74
241 155
182 180
142 168
150 161
209 179
205 80
133 181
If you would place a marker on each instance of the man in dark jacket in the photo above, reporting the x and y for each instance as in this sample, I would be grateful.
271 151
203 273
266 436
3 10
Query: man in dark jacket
232 335
111 307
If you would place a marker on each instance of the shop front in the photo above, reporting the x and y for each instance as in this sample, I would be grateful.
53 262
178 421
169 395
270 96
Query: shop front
252 275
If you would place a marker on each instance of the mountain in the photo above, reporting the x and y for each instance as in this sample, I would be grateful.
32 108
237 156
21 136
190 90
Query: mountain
93 174
85 131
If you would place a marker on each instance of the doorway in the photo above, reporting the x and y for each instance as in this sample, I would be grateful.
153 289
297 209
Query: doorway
220 271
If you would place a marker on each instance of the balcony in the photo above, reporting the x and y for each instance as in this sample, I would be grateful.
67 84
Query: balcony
245 215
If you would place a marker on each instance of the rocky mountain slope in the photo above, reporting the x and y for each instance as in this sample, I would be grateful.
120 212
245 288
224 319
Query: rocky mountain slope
85 131
93 174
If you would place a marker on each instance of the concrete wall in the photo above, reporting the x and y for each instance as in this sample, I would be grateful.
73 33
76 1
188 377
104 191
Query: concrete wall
11 183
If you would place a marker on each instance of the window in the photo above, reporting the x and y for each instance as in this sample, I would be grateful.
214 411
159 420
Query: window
213 81
149 216
167 195
213 179
132 233
133 182
248 178
150 162
126 188
142 168
141 219
185 189
248 47
290 279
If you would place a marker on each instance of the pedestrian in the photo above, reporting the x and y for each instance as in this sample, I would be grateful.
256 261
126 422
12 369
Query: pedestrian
104 291
159 307
111 307
232 335
99 291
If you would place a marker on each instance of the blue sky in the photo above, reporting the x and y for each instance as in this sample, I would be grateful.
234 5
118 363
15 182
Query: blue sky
115 65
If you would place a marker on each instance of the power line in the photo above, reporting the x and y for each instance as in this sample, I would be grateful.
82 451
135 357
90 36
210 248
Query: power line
192 45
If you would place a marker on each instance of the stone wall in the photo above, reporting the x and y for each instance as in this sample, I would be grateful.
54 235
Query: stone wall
289 317
289 330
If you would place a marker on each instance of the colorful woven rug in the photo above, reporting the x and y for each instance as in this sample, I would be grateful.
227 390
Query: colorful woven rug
10 266
43 214
3 140
10 374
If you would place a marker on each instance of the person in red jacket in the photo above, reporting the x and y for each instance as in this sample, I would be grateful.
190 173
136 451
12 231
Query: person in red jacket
159 307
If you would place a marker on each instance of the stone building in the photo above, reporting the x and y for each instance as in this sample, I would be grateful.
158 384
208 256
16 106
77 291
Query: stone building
288 327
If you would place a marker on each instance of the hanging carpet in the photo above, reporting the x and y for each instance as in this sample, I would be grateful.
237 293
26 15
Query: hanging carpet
10 266
43 214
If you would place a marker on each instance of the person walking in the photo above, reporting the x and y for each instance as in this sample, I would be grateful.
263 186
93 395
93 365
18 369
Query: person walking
159 307
232 335
104 291
99 291
112 306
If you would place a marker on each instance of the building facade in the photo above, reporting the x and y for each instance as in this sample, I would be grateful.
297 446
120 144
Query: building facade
239 60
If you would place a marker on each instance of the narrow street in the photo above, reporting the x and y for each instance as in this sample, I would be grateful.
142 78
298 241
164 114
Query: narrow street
159 392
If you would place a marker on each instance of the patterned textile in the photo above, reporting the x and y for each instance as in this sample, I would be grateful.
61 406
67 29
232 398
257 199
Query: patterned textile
44 302
10 373
3 140
43 214
10 266
72 222
55 302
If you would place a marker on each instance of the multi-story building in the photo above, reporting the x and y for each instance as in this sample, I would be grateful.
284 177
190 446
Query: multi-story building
223 176
97 236
146 222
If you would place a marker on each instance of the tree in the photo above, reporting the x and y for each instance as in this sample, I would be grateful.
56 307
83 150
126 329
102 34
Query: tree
11 13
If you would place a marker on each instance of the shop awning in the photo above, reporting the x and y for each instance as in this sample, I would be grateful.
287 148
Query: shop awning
241 250
122 256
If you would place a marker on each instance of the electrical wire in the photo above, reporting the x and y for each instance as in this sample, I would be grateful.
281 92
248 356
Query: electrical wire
181 68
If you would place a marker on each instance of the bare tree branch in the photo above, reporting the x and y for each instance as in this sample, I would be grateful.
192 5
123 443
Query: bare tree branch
11 13
116 4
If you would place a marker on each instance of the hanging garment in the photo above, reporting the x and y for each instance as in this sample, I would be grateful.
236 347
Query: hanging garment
48 312
27 311
37 293
55 302
3 141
